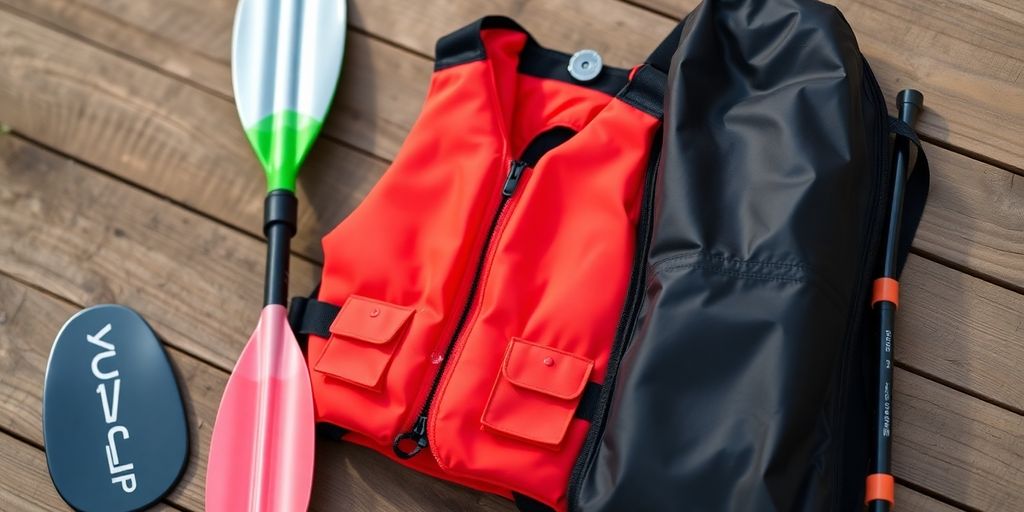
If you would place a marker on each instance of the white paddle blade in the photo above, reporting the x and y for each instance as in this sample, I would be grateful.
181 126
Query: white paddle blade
286 56
285 63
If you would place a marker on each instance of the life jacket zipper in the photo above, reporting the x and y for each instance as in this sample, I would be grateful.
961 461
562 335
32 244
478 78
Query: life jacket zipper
515 172
418 433
530 156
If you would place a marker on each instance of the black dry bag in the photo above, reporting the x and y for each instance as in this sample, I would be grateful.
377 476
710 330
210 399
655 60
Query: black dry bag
743 378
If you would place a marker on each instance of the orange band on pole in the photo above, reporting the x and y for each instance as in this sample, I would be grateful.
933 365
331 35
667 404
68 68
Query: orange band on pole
880 486
887 289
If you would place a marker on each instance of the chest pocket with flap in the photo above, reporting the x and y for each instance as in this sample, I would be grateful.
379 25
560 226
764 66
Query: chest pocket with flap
363 339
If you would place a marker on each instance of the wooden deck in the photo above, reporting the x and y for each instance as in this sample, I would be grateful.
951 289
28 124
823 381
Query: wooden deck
124 177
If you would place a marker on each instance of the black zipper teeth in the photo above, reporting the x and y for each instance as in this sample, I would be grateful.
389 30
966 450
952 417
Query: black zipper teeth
867 257
467 306
626 322
418 430
537 148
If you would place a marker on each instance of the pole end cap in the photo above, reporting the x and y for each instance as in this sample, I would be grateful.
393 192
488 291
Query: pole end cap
912 96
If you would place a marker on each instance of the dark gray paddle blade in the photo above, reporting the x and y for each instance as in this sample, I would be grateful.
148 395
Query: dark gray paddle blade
113 422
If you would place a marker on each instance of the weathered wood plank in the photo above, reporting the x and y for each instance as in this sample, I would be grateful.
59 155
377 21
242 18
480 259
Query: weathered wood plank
377 100
975 215
163 134
346 474
191 39
25 483
907 499
92 239
966 56
347 477
963 330
957 446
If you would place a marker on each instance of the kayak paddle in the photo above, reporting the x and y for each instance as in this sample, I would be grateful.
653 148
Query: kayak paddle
880 484
286 59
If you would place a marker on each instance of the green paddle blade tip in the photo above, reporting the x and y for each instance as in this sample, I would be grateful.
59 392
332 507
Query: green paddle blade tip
281 141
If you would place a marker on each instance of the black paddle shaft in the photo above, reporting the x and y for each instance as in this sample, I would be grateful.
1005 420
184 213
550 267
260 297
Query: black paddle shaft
909 102
279 212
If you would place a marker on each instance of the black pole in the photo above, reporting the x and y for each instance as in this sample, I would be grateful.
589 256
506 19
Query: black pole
279 212
909 102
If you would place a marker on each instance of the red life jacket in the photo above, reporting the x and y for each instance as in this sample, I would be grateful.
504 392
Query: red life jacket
481 281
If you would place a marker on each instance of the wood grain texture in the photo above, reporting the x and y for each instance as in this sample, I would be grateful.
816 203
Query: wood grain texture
347 477
163 134
26 483
93 239
378 97
907 499
959 447
962 330
975 215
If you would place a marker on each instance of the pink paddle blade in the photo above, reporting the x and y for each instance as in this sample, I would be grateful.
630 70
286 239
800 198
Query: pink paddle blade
261 454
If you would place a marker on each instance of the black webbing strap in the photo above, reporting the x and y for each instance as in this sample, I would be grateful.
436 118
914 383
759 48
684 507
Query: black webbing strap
646 90
661 57
527 504
310 316
329 431
916 192
587 407
464 45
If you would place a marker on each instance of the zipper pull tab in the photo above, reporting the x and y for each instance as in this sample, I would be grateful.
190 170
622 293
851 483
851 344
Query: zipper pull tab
515 171
417 435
